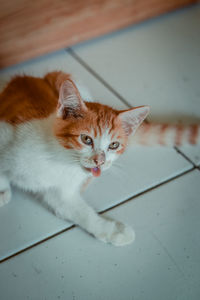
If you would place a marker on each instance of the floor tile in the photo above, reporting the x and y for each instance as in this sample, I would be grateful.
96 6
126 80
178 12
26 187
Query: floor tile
162 263
24 222
138 169
156 63
133 173
30 222
61 60
193 152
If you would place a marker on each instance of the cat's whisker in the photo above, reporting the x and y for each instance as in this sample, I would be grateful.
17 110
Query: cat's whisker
49 156
118 167
116 175
72 162
117 164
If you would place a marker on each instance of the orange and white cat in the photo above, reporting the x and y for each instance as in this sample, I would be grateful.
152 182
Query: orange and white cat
52 142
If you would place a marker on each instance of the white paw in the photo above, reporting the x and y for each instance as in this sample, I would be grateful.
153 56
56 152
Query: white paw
5 197
123 235
116 233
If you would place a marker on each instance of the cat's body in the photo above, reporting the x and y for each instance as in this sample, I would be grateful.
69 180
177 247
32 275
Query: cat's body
37 158
45 148
53 147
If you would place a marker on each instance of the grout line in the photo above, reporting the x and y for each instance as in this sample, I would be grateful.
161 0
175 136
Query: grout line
101 212
97 76
37 243
185 156
112 90
149 189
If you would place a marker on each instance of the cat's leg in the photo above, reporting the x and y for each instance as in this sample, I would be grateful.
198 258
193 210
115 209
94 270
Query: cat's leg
79 212
5 190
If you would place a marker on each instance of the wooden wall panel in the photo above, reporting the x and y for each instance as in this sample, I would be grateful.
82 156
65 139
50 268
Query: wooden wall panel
30 28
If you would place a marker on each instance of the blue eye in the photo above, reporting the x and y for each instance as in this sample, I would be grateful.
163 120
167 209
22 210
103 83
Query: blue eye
114 145
86 139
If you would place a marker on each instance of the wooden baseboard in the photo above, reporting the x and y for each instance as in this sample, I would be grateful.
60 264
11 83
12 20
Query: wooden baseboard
32 28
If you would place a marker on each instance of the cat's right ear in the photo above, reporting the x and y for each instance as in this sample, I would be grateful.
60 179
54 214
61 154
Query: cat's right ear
70 102
132 118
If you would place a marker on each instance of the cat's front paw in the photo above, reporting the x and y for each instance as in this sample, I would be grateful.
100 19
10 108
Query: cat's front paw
5 197
122 235
116 233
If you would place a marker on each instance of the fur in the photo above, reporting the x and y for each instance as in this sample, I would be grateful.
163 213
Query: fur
52 143
150 134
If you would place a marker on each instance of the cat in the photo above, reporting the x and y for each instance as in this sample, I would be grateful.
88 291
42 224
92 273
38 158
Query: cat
52 142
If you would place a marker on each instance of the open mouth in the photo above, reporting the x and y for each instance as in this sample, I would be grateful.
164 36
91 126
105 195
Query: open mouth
96 171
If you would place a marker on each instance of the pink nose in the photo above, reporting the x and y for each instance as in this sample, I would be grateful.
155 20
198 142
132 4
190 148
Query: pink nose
99 159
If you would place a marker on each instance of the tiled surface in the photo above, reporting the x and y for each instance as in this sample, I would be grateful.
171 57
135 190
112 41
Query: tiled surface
63 61
162 263
25 222
193 152
134 172
159 65
34 223
155 63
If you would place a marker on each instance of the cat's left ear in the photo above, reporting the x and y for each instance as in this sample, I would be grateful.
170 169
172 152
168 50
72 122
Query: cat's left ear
132 118
70 102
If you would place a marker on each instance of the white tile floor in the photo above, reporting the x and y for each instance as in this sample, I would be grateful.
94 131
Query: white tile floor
155 63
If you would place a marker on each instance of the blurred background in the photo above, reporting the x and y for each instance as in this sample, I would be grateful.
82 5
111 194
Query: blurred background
32 28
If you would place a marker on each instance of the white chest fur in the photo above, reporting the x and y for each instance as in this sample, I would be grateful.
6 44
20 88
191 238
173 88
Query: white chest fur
36 161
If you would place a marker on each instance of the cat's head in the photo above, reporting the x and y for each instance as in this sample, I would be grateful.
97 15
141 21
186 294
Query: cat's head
97 133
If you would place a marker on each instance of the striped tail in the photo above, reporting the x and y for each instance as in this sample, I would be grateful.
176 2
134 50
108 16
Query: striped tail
150 134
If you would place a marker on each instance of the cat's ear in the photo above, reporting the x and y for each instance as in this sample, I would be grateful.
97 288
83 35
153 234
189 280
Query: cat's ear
132 118
70 102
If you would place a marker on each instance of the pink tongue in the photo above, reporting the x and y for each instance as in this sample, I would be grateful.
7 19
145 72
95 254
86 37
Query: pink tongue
96 172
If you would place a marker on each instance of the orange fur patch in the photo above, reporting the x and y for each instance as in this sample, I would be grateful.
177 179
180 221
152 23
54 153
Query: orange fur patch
97 119
194 130
26 98
144 131
163 129
179 129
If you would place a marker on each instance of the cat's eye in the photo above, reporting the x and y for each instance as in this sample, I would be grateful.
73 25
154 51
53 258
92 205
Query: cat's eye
86 139
114 145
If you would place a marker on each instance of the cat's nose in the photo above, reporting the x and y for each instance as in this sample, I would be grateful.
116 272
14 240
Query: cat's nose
99 159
